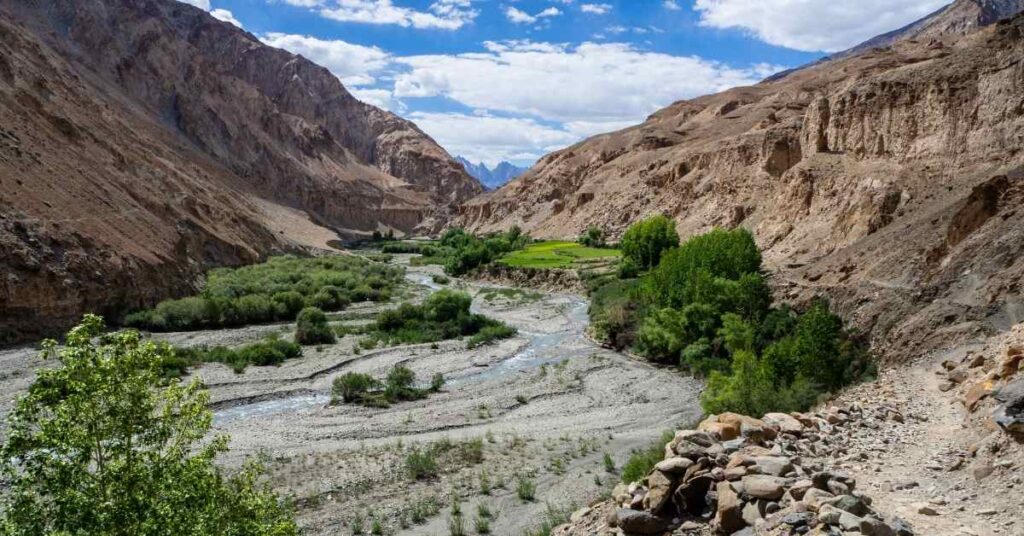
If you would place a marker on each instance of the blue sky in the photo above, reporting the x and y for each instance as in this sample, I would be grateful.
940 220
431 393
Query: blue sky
514 79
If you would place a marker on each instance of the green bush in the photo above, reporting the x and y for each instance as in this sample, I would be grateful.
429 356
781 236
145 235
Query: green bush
593 237
274 290
627 269
311 327
421 464
443 315
490 334
351 386
645 241
270 351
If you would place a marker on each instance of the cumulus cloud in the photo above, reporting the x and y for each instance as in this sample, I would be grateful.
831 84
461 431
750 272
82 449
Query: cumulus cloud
201 4
599 83
813 25
442 14
596 9
521 17
491 139
671 5
354 65
226 16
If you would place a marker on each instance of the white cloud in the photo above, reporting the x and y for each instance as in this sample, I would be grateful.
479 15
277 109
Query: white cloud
598 83
814 25
226 16
490 139
521 17
442 14
201 4
596 9
355 65
381 98
671 5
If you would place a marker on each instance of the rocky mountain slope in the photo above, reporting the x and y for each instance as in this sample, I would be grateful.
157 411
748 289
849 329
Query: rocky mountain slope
491 178
889 180
142 141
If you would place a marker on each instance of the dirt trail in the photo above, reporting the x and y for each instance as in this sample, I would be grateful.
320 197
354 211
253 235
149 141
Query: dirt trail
923 469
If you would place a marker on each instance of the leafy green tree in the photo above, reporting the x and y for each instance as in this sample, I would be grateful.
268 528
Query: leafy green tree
311 327
661 335
99 445
645 241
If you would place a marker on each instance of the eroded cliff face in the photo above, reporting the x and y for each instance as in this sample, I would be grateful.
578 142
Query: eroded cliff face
888 180
143 141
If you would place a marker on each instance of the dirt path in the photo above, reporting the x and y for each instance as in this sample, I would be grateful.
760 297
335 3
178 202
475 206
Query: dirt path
922 469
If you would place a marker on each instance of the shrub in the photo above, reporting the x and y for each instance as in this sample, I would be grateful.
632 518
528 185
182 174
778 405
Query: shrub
627 269
288 303
436 382
421 464
490 334
593 237
440 279
311 327
645 241
526 488
351 386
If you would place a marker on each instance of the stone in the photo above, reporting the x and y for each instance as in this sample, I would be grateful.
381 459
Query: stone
774 465
659 491
926 509
796 519
901 527
949 364
982 470
799 488
977 393
785 423
848 521
851 504
957 376
675 465
691 496
734 473
640 522
815 497
1011 364
729 511
720 430
764 486
752 512
1009 415
977 361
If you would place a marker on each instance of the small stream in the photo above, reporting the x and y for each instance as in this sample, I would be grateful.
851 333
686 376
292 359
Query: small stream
541 349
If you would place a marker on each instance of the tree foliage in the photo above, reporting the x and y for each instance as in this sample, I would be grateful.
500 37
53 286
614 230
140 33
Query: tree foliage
311 327
645 241
99 445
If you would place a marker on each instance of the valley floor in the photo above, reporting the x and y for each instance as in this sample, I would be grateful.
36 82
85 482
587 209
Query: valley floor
545 406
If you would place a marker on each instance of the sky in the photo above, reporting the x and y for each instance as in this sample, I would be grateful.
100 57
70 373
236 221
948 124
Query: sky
495 80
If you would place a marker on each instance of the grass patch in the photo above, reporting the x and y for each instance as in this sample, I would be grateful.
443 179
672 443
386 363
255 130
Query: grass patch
641 462
556 254
273 291
517 295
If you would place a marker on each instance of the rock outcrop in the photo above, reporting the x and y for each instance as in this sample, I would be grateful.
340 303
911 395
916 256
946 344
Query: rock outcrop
878 179
142 141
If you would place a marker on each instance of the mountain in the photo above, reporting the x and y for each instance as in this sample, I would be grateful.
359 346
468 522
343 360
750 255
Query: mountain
491 178
143 141
888 179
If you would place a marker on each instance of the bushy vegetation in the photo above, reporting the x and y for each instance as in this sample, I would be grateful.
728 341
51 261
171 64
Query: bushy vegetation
705 307
276 290
103 445
443 315
399 386
311 327
593 237
464 251
271 351
645 241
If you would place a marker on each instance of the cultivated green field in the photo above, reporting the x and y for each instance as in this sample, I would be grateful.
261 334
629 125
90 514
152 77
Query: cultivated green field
556 254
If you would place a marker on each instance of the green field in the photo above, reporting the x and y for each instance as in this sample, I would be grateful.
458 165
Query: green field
557 254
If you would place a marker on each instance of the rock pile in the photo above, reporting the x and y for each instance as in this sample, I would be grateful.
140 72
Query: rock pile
979 377
747 476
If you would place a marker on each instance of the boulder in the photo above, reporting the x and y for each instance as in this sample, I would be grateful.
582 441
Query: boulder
753 512
659 491
1009 415
721 430
773 465
977 392
1011 364
764 486
729 512
784 423
675 465
640 522
957 376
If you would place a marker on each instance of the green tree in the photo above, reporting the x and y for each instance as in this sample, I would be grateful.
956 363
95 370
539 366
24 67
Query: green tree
645 241
99 446
593 237
311 327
